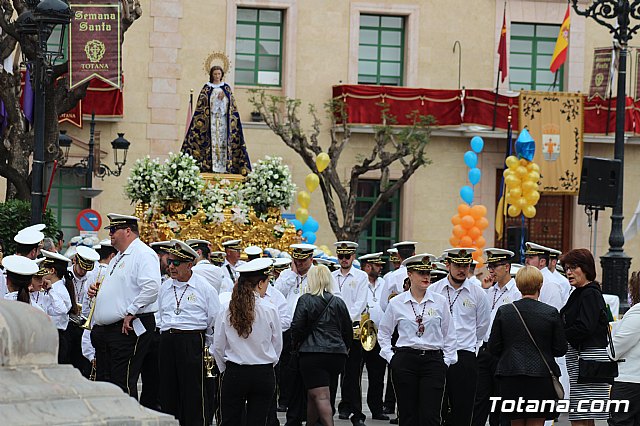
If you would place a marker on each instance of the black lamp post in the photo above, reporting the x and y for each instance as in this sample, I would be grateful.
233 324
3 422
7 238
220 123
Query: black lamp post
87 165
616 16
40 20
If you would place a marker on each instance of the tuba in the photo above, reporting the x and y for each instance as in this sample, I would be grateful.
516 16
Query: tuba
368 333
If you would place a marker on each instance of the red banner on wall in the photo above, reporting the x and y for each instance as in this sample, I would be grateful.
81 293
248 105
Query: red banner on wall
600 75
94 44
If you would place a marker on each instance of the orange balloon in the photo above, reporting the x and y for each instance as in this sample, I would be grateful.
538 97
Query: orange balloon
465 241
463 209
524 162
467 221
480 242
459 231
478 211
482 223
480 265
474 232
476 255
455 220
454 241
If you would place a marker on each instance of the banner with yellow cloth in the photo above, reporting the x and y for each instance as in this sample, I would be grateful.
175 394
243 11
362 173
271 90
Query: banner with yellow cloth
555 121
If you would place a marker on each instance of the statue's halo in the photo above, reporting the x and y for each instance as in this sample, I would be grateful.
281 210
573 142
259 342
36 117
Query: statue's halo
217 58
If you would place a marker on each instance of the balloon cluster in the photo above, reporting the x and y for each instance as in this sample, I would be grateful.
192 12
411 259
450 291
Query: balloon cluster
303 219
521 178
470 221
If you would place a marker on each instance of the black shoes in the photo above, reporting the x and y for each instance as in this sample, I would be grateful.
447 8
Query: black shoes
359 423
281 409
344 416
388 410
379 416
394 421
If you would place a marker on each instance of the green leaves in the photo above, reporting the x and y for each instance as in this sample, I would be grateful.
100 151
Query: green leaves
15 215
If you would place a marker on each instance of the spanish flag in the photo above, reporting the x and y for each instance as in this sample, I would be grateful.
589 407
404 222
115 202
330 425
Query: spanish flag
562 43
503 69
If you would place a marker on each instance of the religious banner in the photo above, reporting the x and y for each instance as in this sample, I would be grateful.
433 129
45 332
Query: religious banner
601 72
555 121
73 116
94 43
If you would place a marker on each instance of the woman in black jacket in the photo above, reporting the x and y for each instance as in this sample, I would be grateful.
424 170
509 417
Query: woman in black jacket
585 324
321 330
521 371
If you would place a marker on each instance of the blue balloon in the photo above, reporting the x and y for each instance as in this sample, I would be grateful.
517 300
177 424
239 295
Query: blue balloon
310 225
296 223
471 159
525 145
466 193
477 143
474 176
310 237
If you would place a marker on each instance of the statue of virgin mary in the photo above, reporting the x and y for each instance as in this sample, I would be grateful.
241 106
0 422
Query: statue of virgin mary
214 137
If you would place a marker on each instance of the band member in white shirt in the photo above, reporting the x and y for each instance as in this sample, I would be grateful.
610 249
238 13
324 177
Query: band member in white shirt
253 252
353 285
503 292
19 270
280 265
372 264
187 306
232 249
125 306
212 273
217 258
29 242
469 307
426 345
394 282
247 345
565 287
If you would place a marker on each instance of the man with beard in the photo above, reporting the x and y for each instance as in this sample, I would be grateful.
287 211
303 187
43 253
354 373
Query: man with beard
470 310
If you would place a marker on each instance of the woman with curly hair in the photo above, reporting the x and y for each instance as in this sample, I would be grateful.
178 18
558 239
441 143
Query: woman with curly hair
247 345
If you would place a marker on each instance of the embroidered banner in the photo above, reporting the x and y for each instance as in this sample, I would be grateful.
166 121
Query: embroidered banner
94 43
601 72
555 121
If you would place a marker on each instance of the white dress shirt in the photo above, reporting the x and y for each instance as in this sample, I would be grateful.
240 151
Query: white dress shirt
353 287
393 283
97 276
470 309
13 296
50 302
262 346
61 319
292 285
3 284
551 292
88 351
274 297
229 271
80 285
130 286
439 330
564 285
211 272
501 296
373 300
198 303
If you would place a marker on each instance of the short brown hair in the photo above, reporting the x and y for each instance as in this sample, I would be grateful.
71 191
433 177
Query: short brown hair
529 280
634 287
581 258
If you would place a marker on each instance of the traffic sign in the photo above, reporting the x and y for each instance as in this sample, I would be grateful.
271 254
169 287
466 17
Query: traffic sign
88 220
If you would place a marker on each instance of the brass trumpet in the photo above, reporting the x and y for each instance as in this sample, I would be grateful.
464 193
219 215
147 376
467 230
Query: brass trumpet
87 323
367 332
209 363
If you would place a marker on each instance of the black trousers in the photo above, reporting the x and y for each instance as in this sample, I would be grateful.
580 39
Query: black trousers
182 390
389 393
73 338
350 385
119 356
272 417
486 388
286 375
631 392
63 347
376 367
246 386
419 381
150 394
460 392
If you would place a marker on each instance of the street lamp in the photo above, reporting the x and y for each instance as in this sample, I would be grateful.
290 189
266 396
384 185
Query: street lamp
615 15
87 165
39 20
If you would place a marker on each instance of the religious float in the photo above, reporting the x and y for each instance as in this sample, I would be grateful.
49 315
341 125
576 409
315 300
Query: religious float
174 199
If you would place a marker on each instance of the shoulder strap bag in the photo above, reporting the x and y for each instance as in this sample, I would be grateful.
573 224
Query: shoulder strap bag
595 371
557 386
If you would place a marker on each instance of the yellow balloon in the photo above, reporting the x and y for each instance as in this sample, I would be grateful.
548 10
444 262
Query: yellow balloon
312 181
529 186
302 214
521 203
322 161
533 197
511 161
534 167
513 211
304 199
515 193
529 211
521 172
512 181
507 172
533 176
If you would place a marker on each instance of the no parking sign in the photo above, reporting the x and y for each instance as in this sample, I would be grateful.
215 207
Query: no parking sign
88 220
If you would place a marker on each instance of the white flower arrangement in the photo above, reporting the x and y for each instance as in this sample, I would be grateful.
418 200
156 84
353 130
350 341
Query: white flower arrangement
179 179
269 185
224 195
142 183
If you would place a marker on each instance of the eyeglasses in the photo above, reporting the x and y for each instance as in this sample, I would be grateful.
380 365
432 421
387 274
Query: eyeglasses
175 262
570 267
344 256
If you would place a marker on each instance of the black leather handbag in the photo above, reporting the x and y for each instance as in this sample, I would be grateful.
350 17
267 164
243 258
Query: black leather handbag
592 371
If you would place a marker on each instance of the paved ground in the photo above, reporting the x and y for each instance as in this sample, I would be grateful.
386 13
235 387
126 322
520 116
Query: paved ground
563 419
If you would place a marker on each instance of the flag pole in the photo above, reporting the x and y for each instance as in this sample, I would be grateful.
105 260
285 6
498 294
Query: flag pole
495 102
504 185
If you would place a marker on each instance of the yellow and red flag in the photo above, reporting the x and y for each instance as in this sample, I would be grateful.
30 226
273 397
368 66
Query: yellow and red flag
503 68
562 43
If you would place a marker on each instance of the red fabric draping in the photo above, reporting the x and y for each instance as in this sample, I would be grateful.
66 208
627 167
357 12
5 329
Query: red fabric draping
364 103
479 107
103 99
595 115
